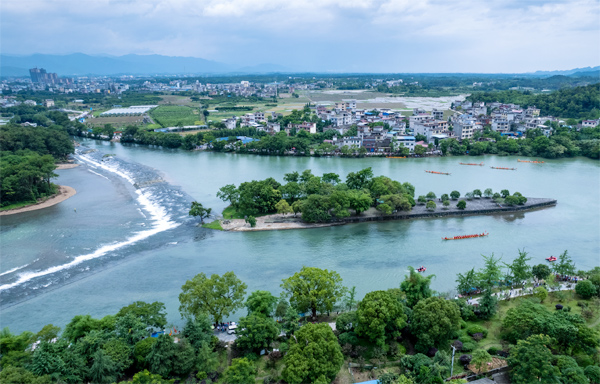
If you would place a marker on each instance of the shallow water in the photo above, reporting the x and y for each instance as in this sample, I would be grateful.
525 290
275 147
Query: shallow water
130 238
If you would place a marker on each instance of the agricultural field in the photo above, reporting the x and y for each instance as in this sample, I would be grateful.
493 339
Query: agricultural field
172 115
115 121
177 100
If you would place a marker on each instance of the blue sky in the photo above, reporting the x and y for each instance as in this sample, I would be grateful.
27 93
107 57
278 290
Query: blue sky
318 35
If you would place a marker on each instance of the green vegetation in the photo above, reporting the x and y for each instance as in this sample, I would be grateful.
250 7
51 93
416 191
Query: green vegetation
405 332
577 102
216 224
319 199
175 115
28 154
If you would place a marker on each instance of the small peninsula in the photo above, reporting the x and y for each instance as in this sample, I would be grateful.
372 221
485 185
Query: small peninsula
309 201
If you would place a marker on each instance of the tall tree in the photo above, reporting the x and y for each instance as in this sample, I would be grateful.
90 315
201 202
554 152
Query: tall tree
416 287
151 314
564 265
218 295
314 289
434 321
314 356
198 210
531 361
262 303
379 316
256 332
241 371
491 273
519 268
103 369
468 282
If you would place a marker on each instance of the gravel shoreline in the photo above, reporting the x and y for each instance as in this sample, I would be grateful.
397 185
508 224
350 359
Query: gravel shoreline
64 192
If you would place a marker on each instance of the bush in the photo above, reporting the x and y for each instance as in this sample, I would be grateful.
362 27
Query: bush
476 328
347 349
585 289
469 346
348 338
592 372
465 359
463 324
492 351
477 336
458 345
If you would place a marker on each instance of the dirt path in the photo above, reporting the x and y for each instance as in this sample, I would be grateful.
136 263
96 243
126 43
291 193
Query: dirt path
63 194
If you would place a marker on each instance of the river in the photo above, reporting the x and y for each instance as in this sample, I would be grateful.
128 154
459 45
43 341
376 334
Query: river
126 236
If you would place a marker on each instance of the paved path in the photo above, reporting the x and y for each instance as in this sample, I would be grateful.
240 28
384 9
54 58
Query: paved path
520 292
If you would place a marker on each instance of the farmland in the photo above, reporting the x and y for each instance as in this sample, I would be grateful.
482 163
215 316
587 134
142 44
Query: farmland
173 115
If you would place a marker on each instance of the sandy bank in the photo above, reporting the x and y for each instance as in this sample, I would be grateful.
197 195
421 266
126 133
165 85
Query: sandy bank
63 194
66 165
479 206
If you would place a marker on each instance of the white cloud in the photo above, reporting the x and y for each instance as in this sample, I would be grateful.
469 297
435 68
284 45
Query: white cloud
387 35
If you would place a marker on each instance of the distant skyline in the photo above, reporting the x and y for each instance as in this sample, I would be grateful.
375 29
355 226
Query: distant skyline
492 36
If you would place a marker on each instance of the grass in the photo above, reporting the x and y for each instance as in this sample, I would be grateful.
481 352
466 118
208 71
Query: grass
171 115
494 325
17 205
216 224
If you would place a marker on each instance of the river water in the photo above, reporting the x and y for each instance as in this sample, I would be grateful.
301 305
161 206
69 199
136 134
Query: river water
126 235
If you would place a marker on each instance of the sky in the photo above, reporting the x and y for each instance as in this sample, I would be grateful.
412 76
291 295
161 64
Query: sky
487 36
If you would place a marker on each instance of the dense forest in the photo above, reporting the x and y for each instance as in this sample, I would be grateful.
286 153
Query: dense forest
405 335
577 102
28 154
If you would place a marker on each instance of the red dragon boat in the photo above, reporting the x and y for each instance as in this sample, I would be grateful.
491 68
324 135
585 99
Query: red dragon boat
438 173
508 169
530 161
466 236
481 164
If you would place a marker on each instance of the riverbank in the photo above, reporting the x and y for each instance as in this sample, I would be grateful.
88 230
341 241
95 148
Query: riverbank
64 192
475 207
66 165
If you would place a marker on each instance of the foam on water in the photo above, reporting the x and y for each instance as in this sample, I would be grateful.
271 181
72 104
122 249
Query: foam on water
159 217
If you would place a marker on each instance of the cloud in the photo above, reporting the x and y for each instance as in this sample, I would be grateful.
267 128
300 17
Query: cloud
339 35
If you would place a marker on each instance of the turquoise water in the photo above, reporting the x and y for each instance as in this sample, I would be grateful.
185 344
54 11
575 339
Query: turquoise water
370 256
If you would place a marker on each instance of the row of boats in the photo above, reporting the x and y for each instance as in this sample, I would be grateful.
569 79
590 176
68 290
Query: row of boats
483 234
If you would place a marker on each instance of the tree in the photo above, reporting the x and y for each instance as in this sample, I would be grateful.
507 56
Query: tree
360 179
487 305
585 289
290 321
251 220
430 196
283 207
141 350
152 315
531 361
488 193
103 369
384 209
120 353
17 375
519 268
461 204
350 298
504 193
241 371
454 195
360 201
198 331
315 356
145 377
434 321
198 210
446 204
219 296
168 358
491 273
564 266
256 332
314 289
430 206
445 197
541 271
480 359
592 372
416 287
467 283
421 199
331 178
315 209
379 316
297 206
282 307
261 302
229 193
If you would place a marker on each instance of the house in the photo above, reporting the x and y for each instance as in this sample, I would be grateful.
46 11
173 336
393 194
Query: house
438 114
230 123
406 141
500 125
376 144
590 123
48 103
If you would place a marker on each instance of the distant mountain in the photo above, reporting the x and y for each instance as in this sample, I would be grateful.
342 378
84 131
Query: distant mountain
566 72
265 68
587 74
82 64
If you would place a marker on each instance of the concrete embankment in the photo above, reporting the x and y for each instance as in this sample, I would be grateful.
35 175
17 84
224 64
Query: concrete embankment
481 206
